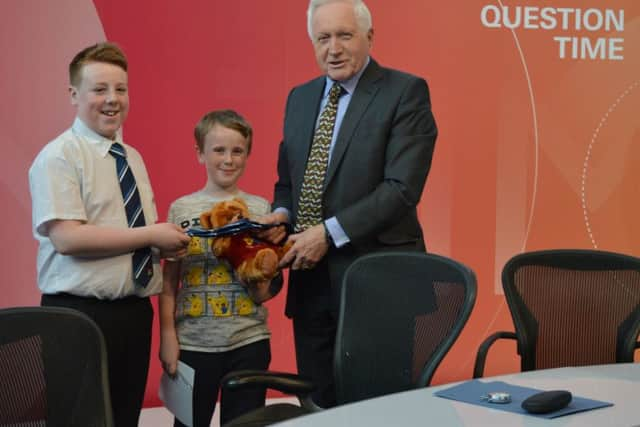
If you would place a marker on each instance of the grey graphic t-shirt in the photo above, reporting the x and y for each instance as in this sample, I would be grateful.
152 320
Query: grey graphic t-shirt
213 310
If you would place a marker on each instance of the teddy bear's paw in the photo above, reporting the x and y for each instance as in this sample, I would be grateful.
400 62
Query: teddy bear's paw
249 274
220 245
266 261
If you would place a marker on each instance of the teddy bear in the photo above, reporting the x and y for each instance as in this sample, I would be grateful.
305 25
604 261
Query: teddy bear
255 261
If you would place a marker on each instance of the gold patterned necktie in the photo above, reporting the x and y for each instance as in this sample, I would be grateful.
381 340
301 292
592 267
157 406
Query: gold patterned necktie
310 203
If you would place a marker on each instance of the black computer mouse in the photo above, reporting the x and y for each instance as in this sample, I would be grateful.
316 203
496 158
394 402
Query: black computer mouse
546 401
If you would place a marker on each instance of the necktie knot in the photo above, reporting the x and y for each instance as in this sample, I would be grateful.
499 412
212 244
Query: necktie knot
334 93
117 150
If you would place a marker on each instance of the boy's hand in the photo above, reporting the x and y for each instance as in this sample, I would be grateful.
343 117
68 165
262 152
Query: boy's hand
170 239
263 291
259 292
169 353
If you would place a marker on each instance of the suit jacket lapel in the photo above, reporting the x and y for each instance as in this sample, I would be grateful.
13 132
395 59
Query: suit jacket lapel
362 96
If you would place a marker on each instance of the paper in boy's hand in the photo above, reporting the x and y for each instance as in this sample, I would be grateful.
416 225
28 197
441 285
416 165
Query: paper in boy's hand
177 393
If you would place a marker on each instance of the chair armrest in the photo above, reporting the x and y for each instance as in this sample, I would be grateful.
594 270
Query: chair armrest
481 356
281 381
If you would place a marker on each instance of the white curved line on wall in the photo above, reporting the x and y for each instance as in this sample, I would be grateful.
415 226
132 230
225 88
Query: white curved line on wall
534 117
587 159
535 183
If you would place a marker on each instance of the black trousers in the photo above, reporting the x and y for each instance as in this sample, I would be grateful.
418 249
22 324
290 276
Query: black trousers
126 326
209 370
315 322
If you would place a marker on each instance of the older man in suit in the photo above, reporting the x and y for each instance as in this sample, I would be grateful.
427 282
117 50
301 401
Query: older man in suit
351 169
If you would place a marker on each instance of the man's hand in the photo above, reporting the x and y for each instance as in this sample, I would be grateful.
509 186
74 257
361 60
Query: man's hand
276 234
308 249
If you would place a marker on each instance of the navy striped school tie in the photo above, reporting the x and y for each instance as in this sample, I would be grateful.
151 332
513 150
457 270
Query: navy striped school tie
142 262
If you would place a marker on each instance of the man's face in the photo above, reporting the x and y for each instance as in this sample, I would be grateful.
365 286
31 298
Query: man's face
102 97
340 45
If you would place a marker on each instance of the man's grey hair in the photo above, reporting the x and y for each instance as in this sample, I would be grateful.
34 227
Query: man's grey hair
363 16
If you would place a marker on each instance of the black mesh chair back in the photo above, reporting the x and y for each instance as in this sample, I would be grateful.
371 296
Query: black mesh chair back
573 307
53 369
400 313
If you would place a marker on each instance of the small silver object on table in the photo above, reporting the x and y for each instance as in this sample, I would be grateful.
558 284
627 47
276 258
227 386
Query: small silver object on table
497 397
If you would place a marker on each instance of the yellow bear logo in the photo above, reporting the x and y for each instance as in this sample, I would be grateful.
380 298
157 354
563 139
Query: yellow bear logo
193 305
194 276
245 305
219 305
195 246
219 275
249 241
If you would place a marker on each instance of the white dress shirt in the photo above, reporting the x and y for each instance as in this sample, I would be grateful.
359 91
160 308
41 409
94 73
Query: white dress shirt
74 178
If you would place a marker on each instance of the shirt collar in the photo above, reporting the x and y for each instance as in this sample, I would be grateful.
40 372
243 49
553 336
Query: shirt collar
348 85
102 144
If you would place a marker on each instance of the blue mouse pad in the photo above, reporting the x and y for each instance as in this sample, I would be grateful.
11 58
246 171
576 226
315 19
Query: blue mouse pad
473 391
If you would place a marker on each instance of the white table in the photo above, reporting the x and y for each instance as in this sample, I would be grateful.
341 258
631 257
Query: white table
619 384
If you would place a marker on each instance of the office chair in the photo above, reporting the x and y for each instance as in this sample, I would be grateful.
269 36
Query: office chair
400 313
570 307
53 369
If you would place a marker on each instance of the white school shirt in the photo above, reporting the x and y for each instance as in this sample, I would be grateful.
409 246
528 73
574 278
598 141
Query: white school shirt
74 178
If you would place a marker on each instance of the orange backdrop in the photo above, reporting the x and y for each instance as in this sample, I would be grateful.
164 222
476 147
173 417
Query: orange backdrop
536 101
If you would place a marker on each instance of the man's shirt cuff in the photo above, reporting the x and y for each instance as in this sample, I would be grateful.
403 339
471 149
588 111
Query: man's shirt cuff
340 238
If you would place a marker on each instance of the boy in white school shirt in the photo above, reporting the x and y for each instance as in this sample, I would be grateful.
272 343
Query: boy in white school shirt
87 248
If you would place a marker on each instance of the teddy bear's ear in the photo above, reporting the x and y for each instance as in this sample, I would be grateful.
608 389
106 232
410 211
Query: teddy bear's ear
218 213
240 205
240 201
205 220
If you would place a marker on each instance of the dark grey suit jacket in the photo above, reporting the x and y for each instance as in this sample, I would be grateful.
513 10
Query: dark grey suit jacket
378 168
